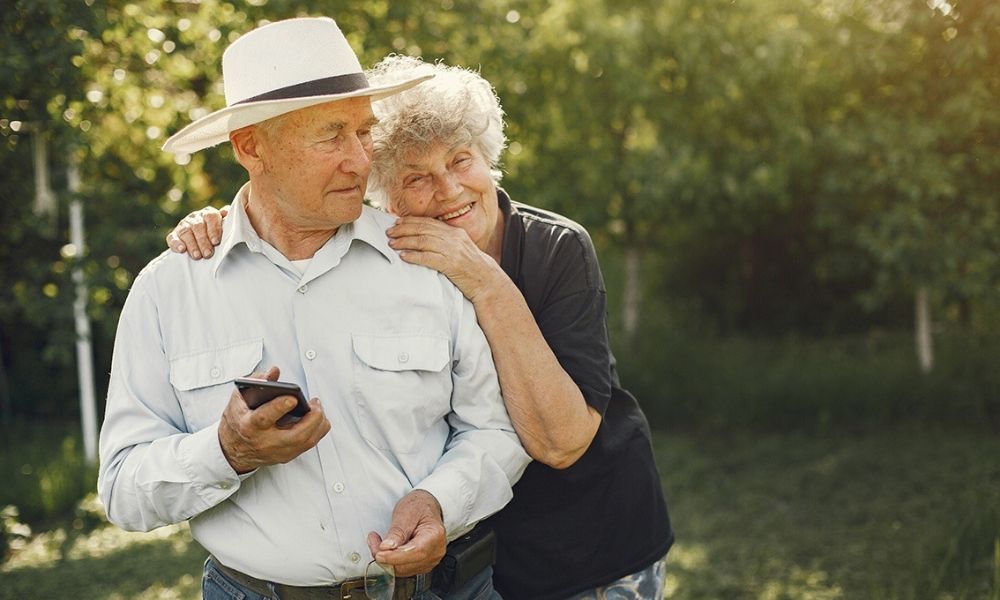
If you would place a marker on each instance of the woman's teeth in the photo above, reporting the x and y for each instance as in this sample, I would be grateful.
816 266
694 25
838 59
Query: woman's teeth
456 213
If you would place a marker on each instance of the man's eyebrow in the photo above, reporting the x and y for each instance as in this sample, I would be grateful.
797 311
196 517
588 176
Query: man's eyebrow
332 127
336 126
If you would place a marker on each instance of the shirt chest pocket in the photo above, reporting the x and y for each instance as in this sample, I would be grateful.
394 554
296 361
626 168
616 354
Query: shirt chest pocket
203 380
403 388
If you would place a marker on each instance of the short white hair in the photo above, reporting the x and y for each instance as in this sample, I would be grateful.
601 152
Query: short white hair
457 106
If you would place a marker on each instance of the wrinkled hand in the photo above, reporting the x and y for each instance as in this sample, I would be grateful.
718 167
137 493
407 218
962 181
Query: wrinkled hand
251 438
448 250
198 233
415 542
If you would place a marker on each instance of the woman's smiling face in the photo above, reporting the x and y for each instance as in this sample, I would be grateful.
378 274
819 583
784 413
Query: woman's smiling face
452 185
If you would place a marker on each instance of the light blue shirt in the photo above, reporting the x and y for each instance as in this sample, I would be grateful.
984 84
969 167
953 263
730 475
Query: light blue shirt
393 352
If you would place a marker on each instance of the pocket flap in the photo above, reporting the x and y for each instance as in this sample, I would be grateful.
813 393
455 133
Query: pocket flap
215 366
402 352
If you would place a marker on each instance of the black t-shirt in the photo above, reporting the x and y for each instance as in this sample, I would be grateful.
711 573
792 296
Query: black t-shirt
570 530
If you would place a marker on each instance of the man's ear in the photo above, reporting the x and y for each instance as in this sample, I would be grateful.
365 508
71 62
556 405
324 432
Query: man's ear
246 147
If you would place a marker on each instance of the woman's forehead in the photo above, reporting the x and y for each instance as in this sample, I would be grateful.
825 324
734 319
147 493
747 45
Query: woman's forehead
424 155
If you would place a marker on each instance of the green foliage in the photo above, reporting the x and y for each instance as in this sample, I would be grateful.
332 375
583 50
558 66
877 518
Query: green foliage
862 383
43 470
919 150
41 42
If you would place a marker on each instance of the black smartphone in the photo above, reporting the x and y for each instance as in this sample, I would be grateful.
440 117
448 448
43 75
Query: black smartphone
258 391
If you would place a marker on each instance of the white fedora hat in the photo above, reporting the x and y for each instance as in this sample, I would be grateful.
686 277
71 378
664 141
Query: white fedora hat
278 68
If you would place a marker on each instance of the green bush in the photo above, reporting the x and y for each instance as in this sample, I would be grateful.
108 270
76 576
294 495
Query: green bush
851 383
44 470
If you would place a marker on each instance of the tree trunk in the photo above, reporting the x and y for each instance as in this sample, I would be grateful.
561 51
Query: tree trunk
925 343
632 295
45 199
84 354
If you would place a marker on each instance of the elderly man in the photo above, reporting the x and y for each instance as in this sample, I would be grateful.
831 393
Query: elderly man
406 433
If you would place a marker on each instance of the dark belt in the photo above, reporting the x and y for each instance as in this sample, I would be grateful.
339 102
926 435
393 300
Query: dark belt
349 589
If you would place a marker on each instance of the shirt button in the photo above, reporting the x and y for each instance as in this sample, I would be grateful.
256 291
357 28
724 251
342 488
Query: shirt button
225 485
354 556
403 357
215 372
338 487
310 354
303 289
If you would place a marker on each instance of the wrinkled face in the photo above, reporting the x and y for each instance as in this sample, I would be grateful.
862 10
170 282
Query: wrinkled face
315 163
452 185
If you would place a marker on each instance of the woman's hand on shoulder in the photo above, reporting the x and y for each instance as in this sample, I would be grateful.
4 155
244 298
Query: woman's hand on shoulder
198 233
448 250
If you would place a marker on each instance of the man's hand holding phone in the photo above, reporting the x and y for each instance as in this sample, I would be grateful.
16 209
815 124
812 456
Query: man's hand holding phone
256 392
256 437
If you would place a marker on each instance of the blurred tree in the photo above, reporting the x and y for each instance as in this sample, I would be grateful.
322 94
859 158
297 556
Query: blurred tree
687 128
39 42
918 155
589 110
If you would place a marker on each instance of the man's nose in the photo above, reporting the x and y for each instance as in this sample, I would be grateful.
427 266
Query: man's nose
357 156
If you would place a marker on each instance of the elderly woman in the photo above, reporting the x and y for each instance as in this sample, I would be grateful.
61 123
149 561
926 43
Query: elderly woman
588 519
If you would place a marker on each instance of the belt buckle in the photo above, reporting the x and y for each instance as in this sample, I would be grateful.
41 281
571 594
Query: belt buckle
349 585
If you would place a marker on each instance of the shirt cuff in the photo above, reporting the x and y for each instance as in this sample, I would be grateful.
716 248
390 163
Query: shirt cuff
201 456
455 500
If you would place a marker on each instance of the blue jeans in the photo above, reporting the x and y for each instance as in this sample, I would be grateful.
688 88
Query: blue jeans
216 586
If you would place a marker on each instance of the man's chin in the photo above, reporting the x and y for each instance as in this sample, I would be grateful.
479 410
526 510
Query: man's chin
350 213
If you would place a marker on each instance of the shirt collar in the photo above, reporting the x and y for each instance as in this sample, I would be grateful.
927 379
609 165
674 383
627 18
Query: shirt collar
237 230
368 229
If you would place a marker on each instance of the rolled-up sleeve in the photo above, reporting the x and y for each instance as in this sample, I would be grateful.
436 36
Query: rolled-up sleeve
483 457
152 471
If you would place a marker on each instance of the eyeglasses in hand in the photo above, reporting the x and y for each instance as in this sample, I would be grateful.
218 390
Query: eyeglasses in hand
380 581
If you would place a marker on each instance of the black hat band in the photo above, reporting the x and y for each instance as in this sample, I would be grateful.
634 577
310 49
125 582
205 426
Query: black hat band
339 84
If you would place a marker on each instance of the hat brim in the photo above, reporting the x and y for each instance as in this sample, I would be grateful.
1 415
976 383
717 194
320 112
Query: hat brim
214 128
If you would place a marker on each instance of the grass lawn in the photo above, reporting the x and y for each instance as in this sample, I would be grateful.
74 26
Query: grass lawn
769 516
899 515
